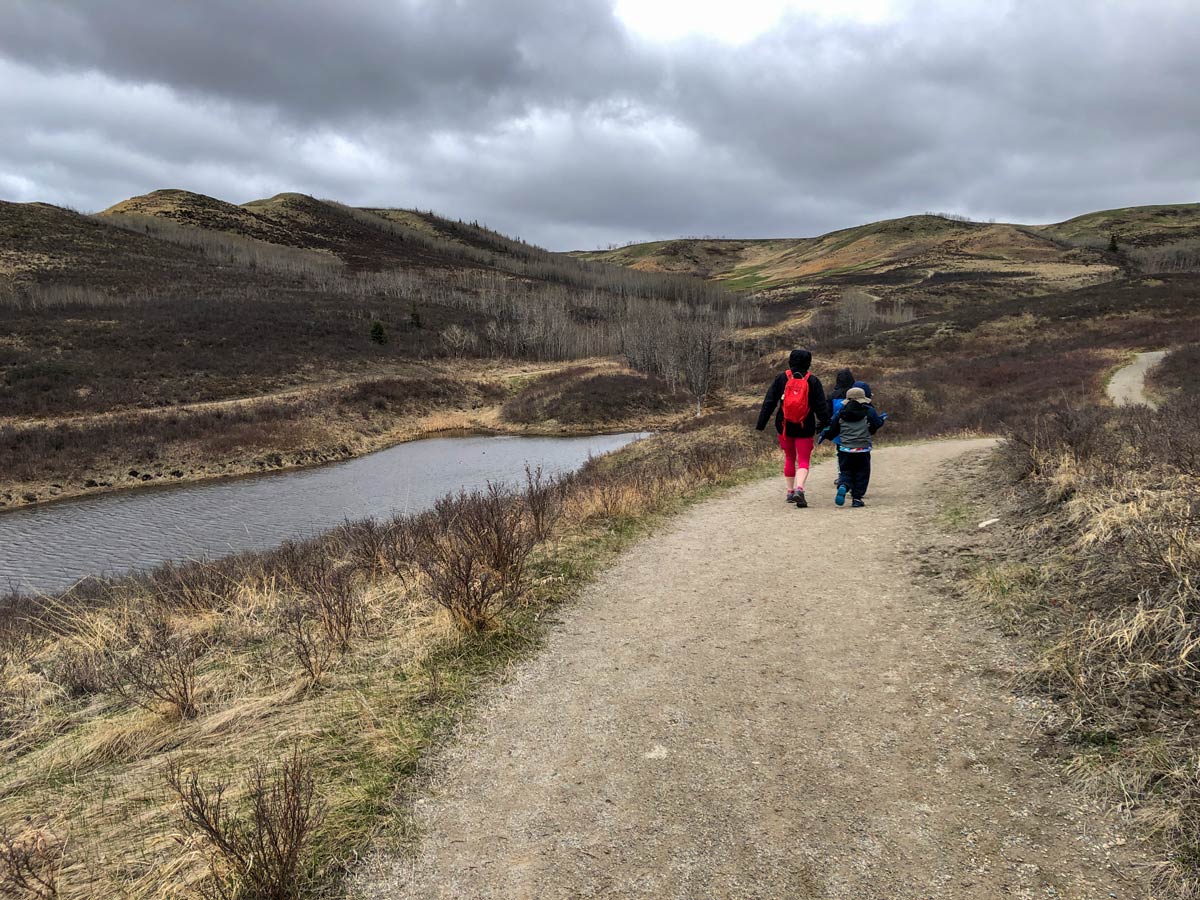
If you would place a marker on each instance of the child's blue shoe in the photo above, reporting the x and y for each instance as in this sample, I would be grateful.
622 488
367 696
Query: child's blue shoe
840 499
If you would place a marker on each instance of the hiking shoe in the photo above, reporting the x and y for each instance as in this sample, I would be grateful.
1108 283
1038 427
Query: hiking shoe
800 502
858 504
840 499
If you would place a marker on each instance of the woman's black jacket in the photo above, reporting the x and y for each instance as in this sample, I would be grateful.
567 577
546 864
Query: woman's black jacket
818 408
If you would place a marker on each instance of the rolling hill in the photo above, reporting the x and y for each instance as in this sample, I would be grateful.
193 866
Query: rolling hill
1138 226
925 252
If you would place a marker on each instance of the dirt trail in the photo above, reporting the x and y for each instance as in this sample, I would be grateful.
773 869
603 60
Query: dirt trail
1127 387
761 702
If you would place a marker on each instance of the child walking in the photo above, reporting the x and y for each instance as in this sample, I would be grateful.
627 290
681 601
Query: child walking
798 401
855 423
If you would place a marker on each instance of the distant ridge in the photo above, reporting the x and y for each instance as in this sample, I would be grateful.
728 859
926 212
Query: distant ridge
1049 257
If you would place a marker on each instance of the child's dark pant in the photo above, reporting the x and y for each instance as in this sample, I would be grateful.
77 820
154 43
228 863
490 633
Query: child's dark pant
855 472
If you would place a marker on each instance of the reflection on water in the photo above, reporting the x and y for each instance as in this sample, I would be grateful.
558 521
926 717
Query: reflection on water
47 548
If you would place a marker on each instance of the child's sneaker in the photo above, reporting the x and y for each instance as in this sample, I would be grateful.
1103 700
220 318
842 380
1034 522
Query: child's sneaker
840 499
858 504
800 502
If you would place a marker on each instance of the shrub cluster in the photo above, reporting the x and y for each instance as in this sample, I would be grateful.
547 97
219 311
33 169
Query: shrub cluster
581 396
1178 375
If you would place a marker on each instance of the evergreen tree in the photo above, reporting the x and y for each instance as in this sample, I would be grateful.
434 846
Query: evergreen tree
377 333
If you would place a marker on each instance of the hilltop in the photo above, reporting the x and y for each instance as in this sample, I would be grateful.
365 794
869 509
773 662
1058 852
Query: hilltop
360 239
923 254
1138 226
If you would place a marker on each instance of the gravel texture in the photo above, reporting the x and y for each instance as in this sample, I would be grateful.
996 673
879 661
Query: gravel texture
762 702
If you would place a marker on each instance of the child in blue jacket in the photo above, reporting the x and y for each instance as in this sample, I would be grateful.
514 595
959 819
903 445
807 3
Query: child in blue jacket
845 381
855 424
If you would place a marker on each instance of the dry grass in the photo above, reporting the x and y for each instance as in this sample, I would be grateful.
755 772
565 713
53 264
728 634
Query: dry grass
87 743
1109 587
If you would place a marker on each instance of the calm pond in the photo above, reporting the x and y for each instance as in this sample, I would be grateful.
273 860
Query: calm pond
48 548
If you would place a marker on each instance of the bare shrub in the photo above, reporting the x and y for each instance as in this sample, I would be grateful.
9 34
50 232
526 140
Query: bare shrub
474 556
380 548
30 861
156 665
543 502
77 668
322 622
496 519
262 854
193 586
310 642
336 603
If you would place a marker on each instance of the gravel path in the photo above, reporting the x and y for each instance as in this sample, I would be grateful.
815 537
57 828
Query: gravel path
761 702
1127 387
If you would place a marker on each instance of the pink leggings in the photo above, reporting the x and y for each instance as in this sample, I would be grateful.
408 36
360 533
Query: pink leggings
796 453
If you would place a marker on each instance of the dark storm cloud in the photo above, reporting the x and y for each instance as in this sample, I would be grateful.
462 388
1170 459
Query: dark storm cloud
315 60
548 120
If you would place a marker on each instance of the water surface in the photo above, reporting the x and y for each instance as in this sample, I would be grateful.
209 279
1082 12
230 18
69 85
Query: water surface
47 548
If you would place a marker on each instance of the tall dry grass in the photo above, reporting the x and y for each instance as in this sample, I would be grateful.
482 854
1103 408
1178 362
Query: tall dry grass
1113 595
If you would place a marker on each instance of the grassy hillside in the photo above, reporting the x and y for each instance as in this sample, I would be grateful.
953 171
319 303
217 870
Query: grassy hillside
232 334
924 253
912 252
1138 226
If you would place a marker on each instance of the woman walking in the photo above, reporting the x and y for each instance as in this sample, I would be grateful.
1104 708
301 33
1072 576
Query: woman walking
801 410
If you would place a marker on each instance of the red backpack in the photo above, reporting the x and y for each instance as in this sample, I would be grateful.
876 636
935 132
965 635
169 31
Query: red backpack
795 398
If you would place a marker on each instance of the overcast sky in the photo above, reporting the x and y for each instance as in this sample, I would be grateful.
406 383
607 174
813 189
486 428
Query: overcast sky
575 123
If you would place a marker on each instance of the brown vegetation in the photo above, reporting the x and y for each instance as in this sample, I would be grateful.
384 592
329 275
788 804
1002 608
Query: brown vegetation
581 396
1178 375
174 299
1105 584
914 253
264 854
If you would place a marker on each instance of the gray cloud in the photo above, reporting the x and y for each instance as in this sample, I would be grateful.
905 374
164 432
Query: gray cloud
549 121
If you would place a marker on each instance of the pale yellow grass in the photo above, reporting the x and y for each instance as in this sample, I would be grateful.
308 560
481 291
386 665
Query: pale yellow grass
97 771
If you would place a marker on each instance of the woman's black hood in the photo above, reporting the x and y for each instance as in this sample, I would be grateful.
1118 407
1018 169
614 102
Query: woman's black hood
799 361
845 380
